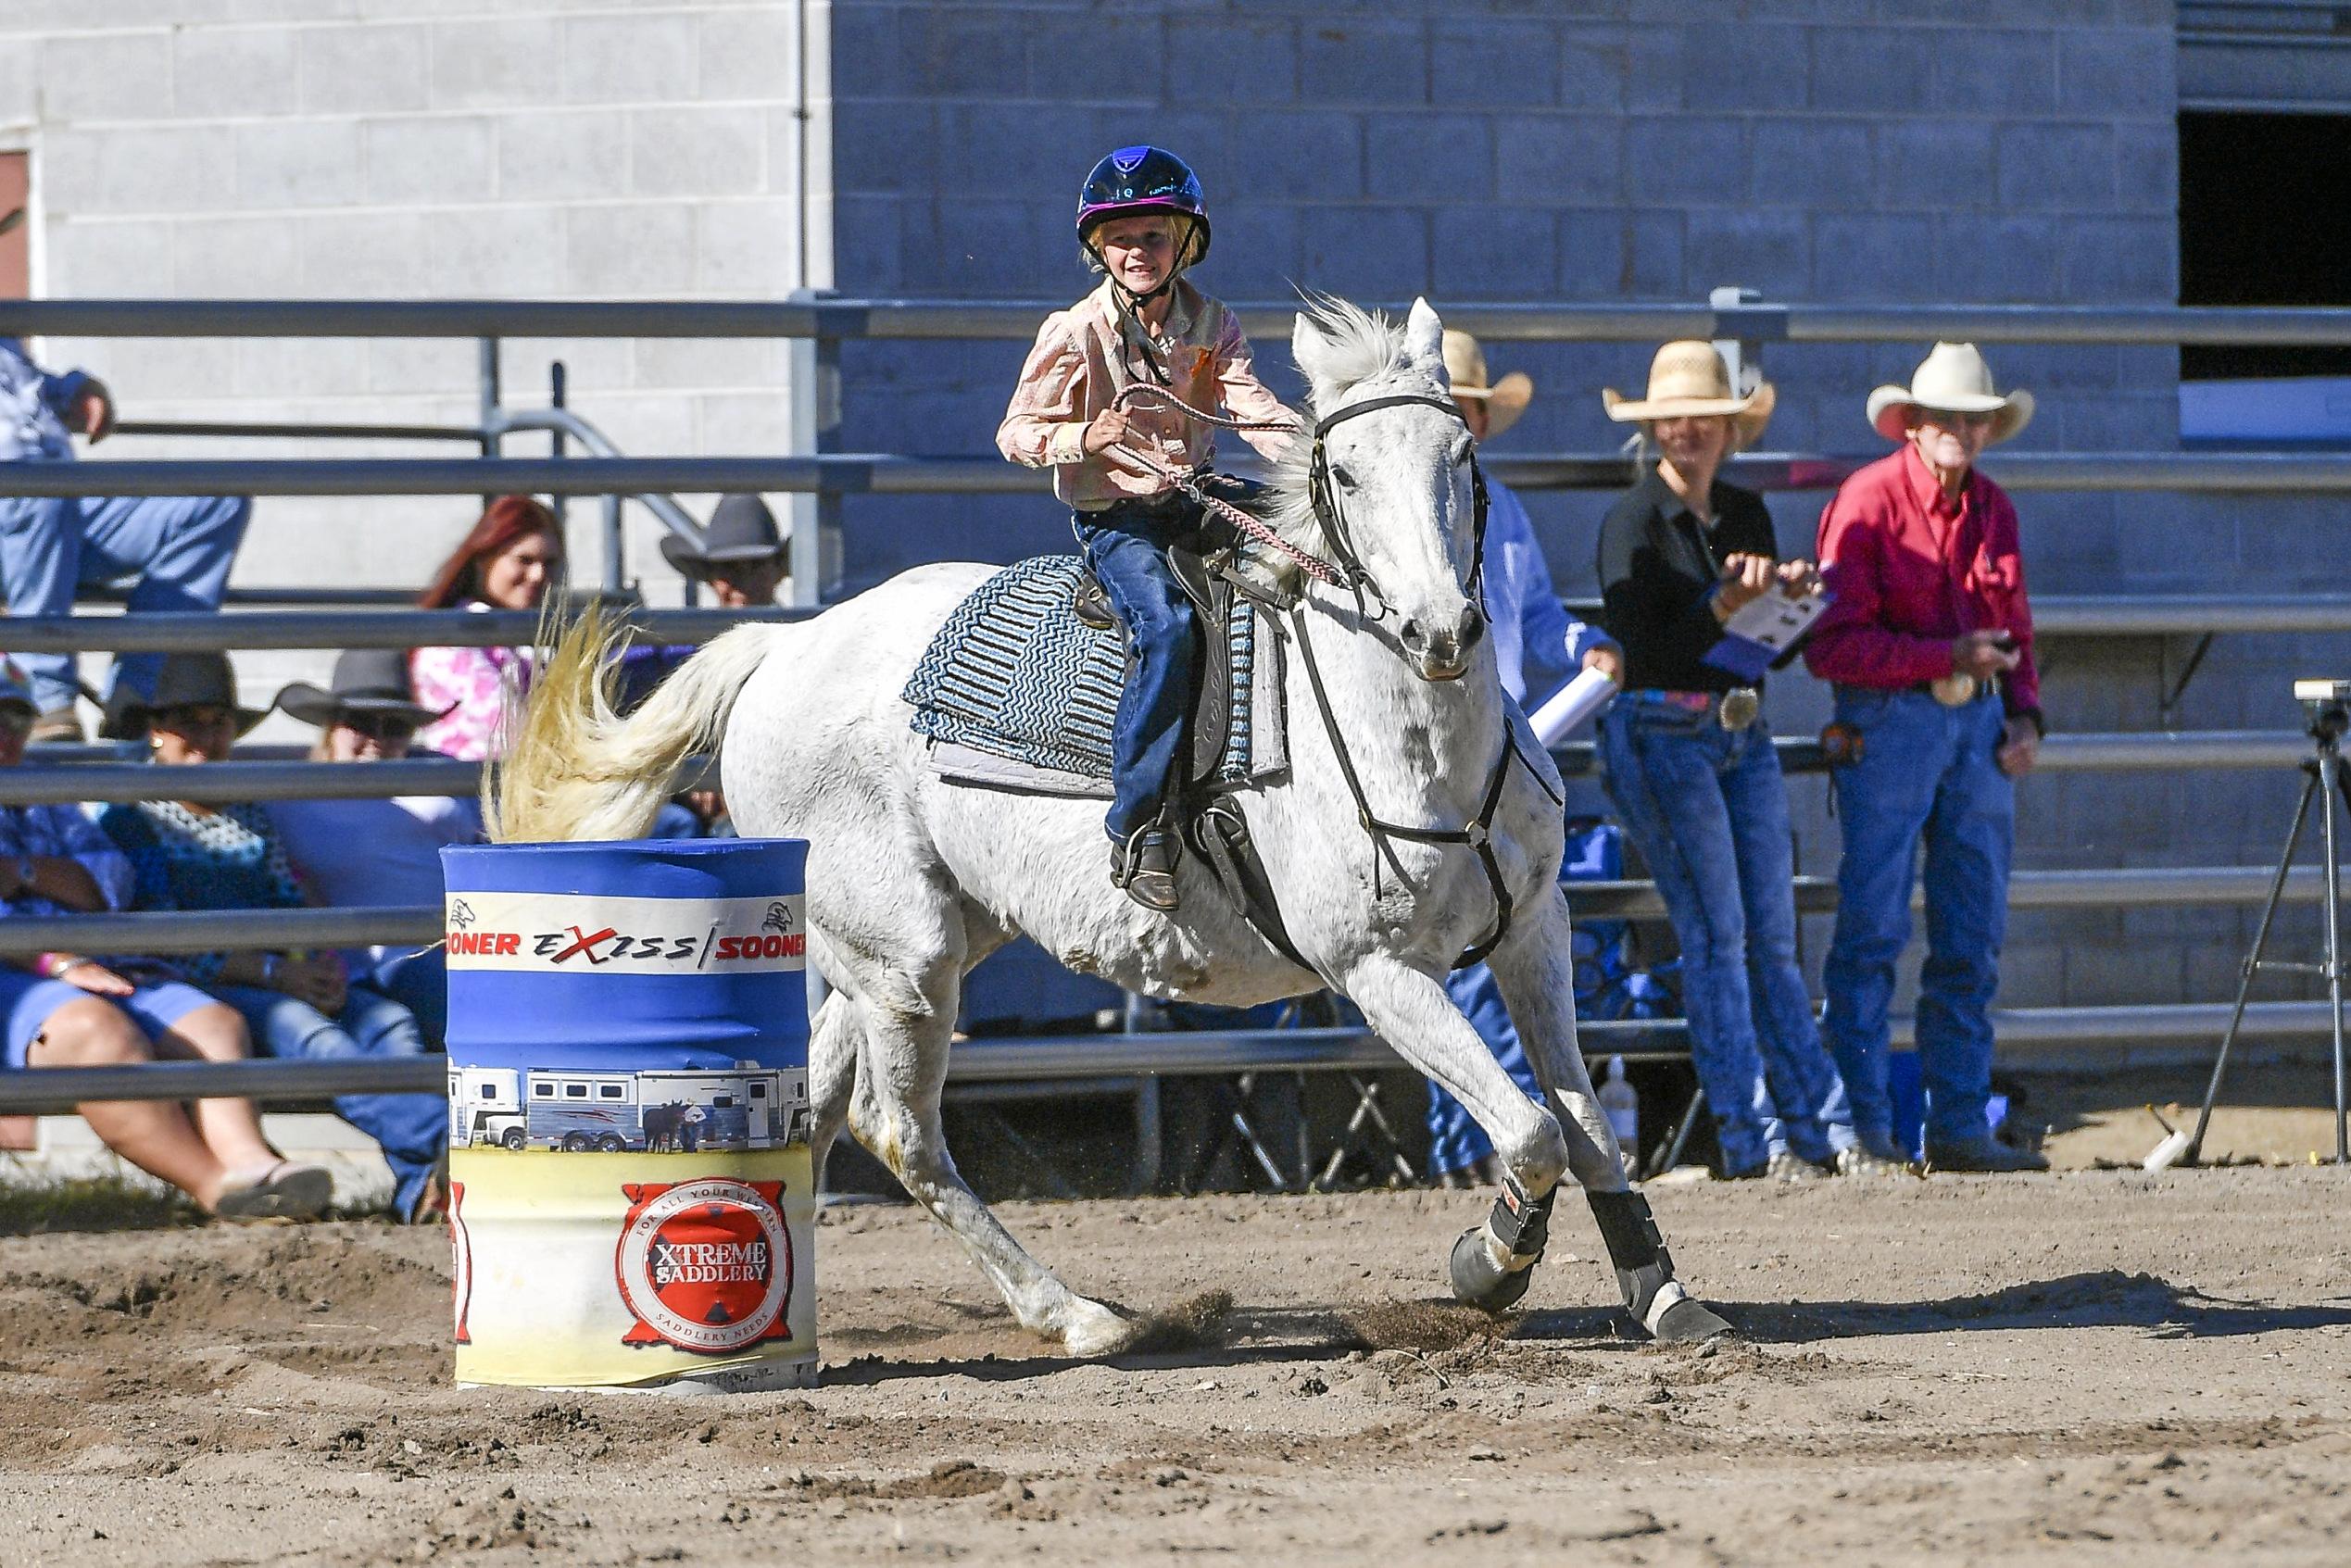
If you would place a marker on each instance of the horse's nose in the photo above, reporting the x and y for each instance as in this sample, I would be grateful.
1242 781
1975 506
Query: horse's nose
1473 626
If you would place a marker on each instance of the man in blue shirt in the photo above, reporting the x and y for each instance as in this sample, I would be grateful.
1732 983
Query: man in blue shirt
179 548
1536 647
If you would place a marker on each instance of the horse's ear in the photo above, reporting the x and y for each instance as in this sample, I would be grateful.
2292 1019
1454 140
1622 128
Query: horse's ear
1312 346
1425 338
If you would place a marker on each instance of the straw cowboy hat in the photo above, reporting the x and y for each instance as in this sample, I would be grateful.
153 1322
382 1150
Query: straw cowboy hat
365 681
1504 400
1689 379
1955 380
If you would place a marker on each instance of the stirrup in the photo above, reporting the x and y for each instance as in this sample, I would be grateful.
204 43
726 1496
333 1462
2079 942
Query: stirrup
1144 867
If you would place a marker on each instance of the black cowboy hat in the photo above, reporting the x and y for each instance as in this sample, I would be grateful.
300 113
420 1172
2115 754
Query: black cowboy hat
742 528
365 680
185 680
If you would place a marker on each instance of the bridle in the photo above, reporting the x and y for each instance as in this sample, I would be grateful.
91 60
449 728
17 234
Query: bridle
1349 572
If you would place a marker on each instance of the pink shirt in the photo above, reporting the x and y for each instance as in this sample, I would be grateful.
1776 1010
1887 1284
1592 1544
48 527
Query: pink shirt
474 681
1082 359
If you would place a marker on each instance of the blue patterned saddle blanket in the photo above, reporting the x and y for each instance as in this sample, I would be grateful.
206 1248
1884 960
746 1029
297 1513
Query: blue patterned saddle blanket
1017 692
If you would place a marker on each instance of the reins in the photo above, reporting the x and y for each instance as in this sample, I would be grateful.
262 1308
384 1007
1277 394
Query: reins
1350 573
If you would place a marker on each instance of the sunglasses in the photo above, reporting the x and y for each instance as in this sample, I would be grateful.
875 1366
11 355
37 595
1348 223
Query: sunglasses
379 726
1951 419
193 715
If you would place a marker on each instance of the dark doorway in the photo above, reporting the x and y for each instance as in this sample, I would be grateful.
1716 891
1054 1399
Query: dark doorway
2265 218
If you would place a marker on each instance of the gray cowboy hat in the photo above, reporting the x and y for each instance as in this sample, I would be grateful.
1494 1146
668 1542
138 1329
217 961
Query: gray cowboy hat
185 680
365 680
742 528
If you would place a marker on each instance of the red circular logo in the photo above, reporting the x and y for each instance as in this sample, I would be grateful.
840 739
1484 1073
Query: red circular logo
705 1265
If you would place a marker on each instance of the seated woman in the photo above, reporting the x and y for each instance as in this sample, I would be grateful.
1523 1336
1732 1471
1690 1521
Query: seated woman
508 561
65 1010
358 852
185 854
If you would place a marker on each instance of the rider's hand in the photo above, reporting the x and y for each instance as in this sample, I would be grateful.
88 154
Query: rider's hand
1746 579
1984 654
1108 428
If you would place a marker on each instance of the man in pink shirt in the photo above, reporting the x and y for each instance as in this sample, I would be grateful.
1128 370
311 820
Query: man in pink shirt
1929 645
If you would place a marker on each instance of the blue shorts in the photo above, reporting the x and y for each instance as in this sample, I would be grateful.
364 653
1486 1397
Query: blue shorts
29 1000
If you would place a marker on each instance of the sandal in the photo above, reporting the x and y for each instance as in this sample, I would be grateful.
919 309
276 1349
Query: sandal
280 1191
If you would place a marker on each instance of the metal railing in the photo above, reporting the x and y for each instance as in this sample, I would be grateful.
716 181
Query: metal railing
829 475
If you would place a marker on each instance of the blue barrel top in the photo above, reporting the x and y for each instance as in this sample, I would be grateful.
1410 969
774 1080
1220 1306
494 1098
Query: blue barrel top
631 955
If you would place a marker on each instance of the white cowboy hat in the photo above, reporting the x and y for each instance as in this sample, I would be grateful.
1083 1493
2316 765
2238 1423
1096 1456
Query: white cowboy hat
1954 378
1504 400
1688 379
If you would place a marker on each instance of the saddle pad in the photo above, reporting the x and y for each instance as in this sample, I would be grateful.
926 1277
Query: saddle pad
1015 692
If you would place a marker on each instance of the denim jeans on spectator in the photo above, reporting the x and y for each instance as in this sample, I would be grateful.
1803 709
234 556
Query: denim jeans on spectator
412 1130
1931 773
419 981
1709 808
178 546
1455 1140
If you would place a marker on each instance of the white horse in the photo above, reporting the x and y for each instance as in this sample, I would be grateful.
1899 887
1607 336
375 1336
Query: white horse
911 880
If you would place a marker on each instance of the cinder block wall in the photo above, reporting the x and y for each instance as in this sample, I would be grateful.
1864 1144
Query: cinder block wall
2000 151
573 149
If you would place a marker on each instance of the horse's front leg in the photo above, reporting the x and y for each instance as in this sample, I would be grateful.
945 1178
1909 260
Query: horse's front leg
1535 969
1412 1012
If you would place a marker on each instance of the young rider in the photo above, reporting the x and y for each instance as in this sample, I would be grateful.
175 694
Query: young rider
1142 222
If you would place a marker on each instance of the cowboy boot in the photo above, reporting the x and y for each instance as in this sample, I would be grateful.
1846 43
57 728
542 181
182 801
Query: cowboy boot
1145 866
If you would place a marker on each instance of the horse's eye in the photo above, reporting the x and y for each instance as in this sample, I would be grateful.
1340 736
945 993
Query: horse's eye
1346 481
1462 450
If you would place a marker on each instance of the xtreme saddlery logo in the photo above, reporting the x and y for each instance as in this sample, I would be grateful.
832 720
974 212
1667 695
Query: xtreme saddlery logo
705 1265
587 933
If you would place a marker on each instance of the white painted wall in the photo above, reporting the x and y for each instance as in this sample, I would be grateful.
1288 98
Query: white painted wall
565 149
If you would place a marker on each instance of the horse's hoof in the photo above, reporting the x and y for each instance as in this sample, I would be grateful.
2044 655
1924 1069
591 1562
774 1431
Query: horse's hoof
1093 1329
1481 1281
1690 1322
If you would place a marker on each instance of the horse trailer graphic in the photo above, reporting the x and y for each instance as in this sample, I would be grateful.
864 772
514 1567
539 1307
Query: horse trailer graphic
662 1109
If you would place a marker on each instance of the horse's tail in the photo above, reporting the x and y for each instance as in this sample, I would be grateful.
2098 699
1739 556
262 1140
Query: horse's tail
579 771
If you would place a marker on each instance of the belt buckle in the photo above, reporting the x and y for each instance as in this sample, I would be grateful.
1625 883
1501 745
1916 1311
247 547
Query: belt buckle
1955 690
1740 707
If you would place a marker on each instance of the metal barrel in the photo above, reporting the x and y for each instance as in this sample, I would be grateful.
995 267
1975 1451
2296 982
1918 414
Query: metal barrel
631 1199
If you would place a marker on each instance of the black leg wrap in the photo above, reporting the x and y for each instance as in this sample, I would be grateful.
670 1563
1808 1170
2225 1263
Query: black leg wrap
1645 1270
1521 1226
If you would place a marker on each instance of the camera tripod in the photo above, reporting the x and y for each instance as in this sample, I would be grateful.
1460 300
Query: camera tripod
2326 775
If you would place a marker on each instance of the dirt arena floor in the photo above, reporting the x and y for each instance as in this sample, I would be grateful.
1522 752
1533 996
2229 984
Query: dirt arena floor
2092 1367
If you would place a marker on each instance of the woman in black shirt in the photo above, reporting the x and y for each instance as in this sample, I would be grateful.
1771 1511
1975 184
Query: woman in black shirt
1689 763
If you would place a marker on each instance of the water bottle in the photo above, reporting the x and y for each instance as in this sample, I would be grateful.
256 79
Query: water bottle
1620 1102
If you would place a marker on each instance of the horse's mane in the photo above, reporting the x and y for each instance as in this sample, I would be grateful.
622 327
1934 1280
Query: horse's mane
1359 347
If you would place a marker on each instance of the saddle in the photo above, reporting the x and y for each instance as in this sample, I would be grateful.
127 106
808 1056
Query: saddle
1019 690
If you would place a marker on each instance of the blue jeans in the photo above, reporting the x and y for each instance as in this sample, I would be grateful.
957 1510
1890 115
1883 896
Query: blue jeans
412 1130
419 981
1709 810
1455 1140
1930 773
178 546
1125 549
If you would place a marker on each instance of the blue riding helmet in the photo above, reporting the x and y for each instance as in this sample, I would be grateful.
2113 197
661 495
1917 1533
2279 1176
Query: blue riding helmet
1133 181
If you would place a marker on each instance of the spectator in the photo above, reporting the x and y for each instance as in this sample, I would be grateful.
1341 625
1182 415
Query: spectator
189 856
508 561
67 1010
1537 646
1930 644
180 547
1690 764
381 851
741 560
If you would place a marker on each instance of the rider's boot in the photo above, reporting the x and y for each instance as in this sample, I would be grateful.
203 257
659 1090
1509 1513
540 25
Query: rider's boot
1145 866
1645 1272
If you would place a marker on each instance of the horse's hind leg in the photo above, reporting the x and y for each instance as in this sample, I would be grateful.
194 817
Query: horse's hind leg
905 1004
832 1074
1535 969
